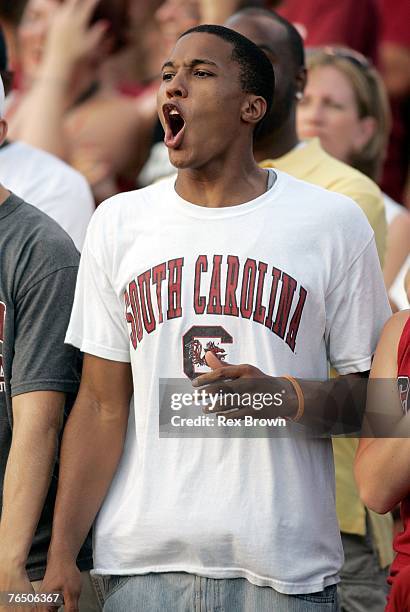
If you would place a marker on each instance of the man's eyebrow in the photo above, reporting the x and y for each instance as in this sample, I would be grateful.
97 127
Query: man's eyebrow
167 65
195 62
191 64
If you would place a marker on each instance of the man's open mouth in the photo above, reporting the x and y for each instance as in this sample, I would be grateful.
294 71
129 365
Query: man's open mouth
174 126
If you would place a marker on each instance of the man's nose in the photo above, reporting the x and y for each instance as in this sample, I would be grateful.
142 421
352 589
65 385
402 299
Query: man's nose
176 88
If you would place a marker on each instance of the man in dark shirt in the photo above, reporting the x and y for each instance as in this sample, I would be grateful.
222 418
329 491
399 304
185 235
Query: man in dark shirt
39 377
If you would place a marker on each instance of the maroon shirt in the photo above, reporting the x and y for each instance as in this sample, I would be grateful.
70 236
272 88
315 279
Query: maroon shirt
326 22
402 540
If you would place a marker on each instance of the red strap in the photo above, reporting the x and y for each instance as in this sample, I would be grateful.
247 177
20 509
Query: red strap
403 351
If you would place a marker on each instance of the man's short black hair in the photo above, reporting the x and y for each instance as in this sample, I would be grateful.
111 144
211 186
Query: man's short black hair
295 40
257 75
6 75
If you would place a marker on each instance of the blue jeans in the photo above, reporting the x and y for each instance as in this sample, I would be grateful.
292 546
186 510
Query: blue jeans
182 592
363 586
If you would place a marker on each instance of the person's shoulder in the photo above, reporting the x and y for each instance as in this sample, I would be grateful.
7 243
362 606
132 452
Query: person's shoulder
38 233
129 206
327 211
46 164
136 200
311 163
393 330
347 180
395 325
319 196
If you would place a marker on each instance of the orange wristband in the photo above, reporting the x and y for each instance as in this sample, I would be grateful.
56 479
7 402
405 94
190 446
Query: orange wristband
299 394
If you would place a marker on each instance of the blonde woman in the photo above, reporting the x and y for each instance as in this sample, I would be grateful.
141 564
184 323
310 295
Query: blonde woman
345 105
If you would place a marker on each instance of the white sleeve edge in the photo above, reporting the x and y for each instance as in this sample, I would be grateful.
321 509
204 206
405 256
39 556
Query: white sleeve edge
361 365
99 350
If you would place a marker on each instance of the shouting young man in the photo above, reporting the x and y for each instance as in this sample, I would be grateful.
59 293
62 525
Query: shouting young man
230 260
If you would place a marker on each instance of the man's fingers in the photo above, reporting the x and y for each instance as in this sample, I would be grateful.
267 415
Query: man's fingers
71 602
213 362
228 413
227 371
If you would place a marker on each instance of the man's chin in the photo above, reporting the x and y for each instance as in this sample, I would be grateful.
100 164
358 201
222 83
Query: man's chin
179 159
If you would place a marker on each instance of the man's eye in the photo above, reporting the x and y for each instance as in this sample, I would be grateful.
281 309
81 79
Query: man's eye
167 76
202 73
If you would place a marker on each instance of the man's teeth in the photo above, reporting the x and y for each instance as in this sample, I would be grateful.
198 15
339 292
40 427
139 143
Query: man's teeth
174 112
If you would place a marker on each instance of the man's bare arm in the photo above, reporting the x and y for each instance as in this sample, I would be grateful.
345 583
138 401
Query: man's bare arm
91 449
92 445
37 417
332 406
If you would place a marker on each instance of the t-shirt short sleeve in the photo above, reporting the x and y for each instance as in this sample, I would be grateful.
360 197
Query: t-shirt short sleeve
41 361
356 310
97 325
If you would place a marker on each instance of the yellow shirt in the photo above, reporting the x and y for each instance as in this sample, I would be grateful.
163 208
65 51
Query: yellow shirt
311 163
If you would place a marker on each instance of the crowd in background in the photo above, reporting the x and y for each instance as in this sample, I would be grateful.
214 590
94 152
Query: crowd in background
98 112
84 91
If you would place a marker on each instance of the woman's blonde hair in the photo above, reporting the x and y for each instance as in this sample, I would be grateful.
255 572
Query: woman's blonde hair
371 100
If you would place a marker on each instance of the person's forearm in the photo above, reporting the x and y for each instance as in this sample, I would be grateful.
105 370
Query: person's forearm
331 406
91 449
42 111
383 473
336 405
27 477
386 461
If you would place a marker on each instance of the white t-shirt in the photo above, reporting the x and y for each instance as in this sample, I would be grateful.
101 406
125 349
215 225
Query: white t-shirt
51 185
262 509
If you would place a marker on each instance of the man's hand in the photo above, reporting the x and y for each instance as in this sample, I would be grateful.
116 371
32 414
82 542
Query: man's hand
13 579
62 575
257 389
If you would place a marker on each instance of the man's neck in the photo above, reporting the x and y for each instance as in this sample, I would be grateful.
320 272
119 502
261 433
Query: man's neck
277 143
217 187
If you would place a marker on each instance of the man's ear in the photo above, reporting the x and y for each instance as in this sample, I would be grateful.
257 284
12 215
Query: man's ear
253 109
3 130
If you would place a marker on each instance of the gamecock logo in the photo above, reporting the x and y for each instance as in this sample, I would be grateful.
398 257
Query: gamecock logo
197 341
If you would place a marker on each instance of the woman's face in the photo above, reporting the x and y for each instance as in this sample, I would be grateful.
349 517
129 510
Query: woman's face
33 31
329 111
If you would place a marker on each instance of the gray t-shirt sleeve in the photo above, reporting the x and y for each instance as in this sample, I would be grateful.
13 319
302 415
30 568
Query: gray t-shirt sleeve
42 362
